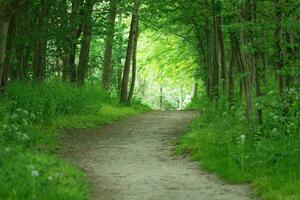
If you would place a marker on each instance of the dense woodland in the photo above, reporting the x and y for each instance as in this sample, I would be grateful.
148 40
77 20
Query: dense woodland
239 61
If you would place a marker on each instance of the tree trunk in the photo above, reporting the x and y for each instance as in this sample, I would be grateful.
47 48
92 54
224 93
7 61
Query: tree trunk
133 77
208 60
195 91
133 30
85 43
220 36
278 39
109 45
231 71
215 61
39 51
161 97
4 24
246 82
257 67
180 98
75 33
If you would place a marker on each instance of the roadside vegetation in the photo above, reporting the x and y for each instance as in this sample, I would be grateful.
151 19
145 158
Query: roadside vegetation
267 157
30 135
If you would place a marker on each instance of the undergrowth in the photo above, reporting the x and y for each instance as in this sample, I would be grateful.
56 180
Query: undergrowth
266 156
29 131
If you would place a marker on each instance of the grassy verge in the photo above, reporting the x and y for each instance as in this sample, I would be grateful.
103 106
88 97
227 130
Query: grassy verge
29 132
241 154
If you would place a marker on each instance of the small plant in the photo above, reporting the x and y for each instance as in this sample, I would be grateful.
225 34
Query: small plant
243 137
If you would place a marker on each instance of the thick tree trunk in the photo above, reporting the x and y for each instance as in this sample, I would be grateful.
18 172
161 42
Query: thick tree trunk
40 44
133 30
4 24
75 33
246 82
9 52
109 45
39 61
85 43
134 68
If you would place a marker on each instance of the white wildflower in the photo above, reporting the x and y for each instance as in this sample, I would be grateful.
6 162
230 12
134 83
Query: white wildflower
31 167
34 173
243 137
25 112
50 178
25 136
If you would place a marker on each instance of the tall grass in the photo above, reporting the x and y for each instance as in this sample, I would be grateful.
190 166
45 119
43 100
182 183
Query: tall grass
268 156
28 137
53 99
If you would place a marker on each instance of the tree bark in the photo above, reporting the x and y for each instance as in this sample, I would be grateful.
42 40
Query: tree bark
246 74
133 30
85 43
134 68
109 45
231 85
278 39
220 36
4 24
74 35
195 91
215 61
40 43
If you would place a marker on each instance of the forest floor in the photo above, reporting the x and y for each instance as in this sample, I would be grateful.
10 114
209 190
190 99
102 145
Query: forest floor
134 160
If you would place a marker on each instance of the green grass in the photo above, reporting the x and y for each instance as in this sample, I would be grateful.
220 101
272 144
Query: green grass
33 122
106 114
270 162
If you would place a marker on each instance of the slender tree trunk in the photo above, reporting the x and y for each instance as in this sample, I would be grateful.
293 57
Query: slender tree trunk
195 91
134 68
85 43
257 67
231 71
133 30
161 97
278 39
258 72
222 51
180 98
215 61
208 60
109 45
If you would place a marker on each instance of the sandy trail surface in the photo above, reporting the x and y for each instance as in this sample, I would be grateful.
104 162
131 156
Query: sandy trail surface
133 160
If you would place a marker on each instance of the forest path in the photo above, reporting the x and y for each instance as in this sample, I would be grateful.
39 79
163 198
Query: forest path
132 160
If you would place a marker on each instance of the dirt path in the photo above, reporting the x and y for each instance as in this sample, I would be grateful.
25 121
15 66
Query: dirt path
132 160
